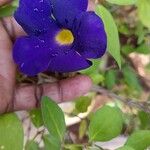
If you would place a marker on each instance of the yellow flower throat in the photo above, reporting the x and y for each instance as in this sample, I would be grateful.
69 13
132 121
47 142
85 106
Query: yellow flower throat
64 37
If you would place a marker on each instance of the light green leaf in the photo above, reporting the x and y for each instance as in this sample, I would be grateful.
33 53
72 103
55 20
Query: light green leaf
113 44
125 148
82 103
122 2
143 11
11 132
93 68
36 117
73 147
53 118
31 145
51 143
139 140
97 78
105 124
82 129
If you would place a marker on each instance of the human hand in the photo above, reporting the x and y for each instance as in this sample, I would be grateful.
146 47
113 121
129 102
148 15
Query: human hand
24 97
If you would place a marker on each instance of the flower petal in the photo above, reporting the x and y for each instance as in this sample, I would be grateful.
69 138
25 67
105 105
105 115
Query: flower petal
32 54
90 35
68 62
65 11
34 16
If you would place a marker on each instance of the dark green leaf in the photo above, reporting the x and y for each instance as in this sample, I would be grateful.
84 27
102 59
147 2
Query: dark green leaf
144 119
7 10
36 117
110 78
131 78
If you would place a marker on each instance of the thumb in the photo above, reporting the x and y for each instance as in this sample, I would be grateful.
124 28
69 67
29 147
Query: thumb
3 2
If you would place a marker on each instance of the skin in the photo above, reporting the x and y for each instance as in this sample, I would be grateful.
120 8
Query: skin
15 97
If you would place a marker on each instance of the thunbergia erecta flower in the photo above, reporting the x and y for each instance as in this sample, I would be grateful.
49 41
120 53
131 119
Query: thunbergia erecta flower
62 36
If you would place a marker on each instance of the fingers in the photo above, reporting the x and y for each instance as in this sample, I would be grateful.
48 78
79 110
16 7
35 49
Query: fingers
62 91
13 28
7 71
3 2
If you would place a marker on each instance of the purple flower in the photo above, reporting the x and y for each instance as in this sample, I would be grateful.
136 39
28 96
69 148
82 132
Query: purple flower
62 36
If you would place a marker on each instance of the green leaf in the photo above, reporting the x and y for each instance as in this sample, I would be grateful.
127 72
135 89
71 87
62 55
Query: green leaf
36 117
15 3
97 78
122 2
127 49
125 148
140 32
31 145
144 48
131 78
144 119
139 140
82 129
53 118
51 143
93 148
73 147
110 78
93 68
82 103
143 11
113 45
7 10
11 132
105 124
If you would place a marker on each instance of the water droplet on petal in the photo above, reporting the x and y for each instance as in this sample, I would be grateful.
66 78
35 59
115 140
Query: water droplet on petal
55 54
66 52
37 46
41 1
42 41
36 9
2 147
22 65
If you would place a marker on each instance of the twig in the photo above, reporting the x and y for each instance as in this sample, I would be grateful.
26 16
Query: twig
144 106
41 132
